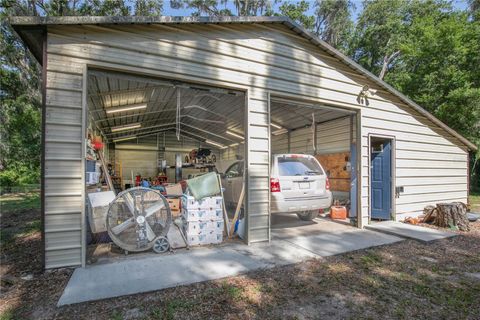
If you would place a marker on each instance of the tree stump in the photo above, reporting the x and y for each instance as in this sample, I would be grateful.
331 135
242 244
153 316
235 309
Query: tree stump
429 213
452 214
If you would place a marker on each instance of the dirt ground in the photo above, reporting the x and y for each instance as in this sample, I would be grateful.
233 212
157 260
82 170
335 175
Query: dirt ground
440 280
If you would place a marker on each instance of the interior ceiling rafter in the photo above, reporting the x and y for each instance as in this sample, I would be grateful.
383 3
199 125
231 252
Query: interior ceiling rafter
201 109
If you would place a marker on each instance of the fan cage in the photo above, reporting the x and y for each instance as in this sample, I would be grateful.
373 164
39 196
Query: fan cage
145 202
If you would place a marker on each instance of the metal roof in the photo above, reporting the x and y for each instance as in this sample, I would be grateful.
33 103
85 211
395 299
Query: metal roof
28 28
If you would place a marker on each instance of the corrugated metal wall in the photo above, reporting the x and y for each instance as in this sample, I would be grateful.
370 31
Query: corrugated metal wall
259 58
332 136
134 156
64 181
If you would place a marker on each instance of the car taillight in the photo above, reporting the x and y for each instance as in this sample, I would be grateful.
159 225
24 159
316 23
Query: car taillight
274 185
327 184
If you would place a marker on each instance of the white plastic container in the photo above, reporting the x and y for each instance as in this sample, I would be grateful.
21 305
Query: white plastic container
98 203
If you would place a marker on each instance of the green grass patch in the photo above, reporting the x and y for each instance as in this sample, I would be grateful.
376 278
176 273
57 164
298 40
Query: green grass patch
157 313
7 315
32 226
370 259
12 206
231 291
116 316
474 200
8 236
176 305
19 202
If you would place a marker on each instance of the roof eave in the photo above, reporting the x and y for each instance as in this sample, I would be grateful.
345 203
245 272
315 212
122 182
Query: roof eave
23 25
334 52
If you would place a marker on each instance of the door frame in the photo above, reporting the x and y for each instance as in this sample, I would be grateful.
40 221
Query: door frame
393 209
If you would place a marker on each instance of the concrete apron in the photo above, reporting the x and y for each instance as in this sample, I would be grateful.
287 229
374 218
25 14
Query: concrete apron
153 272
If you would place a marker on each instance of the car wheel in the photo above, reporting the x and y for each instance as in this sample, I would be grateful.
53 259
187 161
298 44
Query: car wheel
307 215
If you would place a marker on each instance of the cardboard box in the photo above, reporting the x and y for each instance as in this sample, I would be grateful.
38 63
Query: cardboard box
195 215
216 202
214 238
189 202
196 239
215 214
175 189
204 227
174 205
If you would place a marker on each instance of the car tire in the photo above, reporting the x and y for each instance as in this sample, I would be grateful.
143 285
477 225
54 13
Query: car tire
307 215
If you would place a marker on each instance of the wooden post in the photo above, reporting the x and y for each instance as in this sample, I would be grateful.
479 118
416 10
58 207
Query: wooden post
237 210
225 215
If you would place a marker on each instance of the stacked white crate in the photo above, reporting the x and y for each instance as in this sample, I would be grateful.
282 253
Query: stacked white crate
203 220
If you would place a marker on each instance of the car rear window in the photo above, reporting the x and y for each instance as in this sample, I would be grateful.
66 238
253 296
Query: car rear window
299 166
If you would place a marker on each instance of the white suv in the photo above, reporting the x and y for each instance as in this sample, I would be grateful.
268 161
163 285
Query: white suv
298 184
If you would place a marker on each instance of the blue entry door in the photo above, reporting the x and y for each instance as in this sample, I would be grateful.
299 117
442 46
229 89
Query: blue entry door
381 178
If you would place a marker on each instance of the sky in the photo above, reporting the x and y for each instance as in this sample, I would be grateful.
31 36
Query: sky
458 4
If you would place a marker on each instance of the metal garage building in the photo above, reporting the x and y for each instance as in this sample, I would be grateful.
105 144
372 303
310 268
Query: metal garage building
268 67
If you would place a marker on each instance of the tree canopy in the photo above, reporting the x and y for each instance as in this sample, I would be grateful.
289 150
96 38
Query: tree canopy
427 49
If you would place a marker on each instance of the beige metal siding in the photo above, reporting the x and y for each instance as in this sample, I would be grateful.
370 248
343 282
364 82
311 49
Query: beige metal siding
258 168
63 166
259 59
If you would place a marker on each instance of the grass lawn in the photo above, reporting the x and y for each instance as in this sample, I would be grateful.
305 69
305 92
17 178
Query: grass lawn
20 202
405 280
475 201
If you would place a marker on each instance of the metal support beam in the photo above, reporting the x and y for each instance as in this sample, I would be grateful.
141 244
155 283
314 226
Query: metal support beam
141 129
208 132
309 105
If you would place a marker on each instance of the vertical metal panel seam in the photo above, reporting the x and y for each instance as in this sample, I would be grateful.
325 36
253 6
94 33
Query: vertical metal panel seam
83 154
246 166
43 149
358 142
269 164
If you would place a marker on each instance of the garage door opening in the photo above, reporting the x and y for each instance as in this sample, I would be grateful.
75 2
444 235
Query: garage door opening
314 163
153 133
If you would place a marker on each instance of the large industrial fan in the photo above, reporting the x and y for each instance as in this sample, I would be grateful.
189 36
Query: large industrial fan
139 219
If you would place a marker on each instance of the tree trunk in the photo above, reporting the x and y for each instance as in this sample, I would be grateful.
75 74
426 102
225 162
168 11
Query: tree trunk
386 61
452 214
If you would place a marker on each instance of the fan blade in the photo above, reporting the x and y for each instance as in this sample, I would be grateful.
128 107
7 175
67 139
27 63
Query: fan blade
123 226
153 209
150 234
129 202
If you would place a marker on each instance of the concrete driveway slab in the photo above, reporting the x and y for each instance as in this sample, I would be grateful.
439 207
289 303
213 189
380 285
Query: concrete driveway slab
155 272
405 230
151 272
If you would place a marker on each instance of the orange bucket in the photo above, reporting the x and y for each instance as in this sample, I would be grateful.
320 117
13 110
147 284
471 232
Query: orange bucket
338 212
